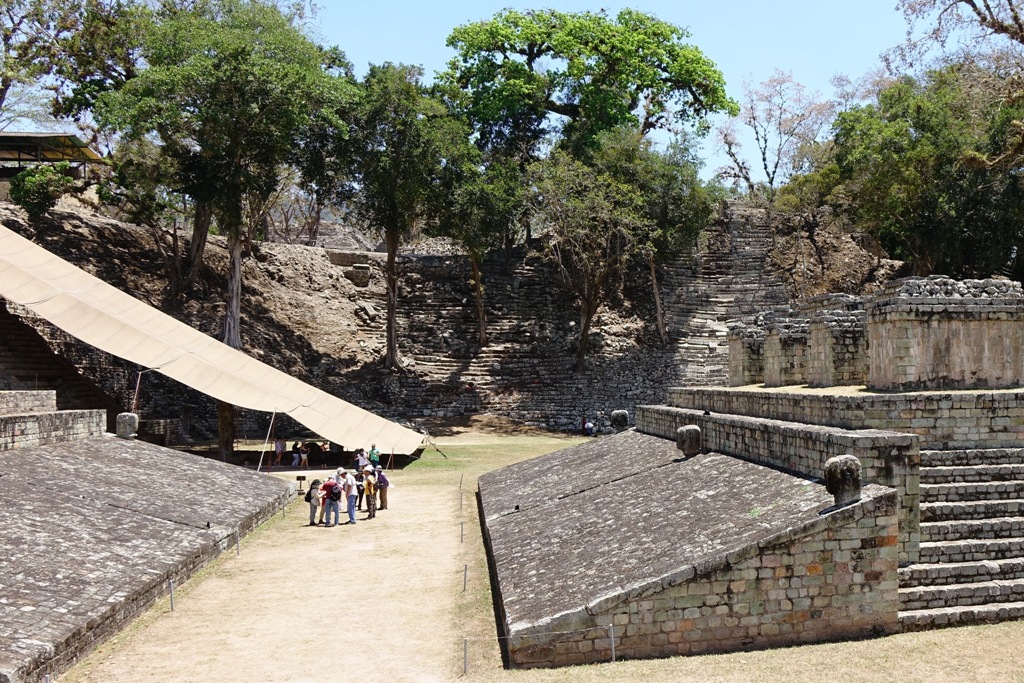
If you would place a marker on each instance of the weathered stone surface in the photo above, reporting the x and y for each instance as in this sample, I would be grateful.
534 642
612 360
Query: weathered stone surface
843 478
589 465
91 531
127 425
658 552
688 440
620 420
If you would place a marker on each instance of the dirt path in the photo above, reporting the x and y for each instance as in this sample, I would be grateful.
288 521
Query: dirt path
301 597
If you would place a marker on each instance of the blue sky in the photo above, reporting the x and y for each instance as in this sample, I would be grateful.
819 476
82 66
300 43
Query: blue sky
747 39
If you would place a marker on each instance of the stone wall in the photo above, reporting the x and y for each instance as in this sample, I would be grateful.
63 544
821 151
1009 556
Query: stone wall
887 458
942 420
21 402
939 333
42 429
831 579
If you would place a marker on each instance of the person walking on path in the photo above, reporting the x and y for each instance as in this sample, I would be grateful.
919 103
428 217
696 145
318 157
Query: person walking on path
370 484
350 496
314 498
304 456
382 485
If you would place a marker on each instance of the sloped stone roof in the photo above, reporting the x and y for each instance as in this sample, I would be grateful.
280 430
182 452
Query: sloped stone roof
624 511
89 528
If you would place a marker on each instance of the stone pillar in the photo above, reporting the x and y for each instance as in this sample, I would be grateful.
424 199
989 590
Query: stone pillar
838 349
940 333
785 352
746 355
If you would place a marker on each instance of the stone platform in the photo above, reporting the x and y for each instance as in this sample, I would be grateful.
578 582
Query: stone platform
624 547
91 532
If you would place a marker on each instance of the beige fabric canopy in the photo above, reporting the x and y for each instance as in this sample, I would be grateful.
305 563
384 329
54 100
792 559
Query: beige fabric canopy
107 318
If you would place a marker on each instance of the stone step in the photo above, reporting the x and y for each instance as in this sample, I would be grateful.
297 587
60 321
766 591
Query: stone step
972 457
972 549
944 573
961 594
972 530
974 491
971 473
975 509
920 620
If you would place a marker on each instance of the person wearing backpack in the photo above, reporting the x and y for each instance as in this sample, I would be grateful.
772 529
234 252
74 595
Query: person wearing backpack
332 494
313 496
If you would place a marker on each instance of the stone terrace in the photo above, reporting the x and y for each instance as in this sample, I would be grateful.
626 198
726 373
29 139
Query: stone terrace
93 530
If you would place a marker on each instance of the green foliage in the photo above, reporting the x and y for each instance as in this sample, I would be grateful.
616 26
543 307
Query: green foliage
227 90
905 174
596 72
675 205
408 151
100 51
37 189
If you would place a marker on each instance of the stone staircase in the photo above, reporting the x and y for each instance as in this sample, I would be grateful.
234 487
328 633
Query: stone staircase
727 280
972 541
28 363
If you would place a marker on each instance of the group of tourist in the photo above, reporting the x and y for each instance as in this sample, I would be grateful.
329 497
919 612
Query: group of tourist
301 450
367 483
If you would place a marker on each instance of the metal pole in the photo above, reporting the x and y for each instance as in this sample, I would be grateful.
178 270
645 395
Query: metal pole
171 583
238 544
138 385
461 477
462 532
270 431
465 656
611 637
465 576
460 499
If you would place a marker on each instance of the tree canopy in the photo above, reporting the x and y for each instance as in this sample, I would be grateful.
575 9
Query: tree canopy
595 72
906 175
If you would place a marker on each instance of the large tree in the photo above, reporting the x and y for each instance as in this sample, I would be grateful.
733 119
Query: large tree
593 72
592 217
406 144
226 88
483 208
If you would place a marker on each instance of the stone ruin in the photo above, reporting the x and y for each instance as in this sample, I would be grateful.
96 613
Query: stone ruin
118 545
888 497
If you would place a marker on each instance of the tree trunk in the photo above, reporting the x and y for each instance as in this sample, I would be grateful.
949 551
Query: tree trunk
231 336
587 310
231 329
478 291
225 429
660 314
200 231
392 360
